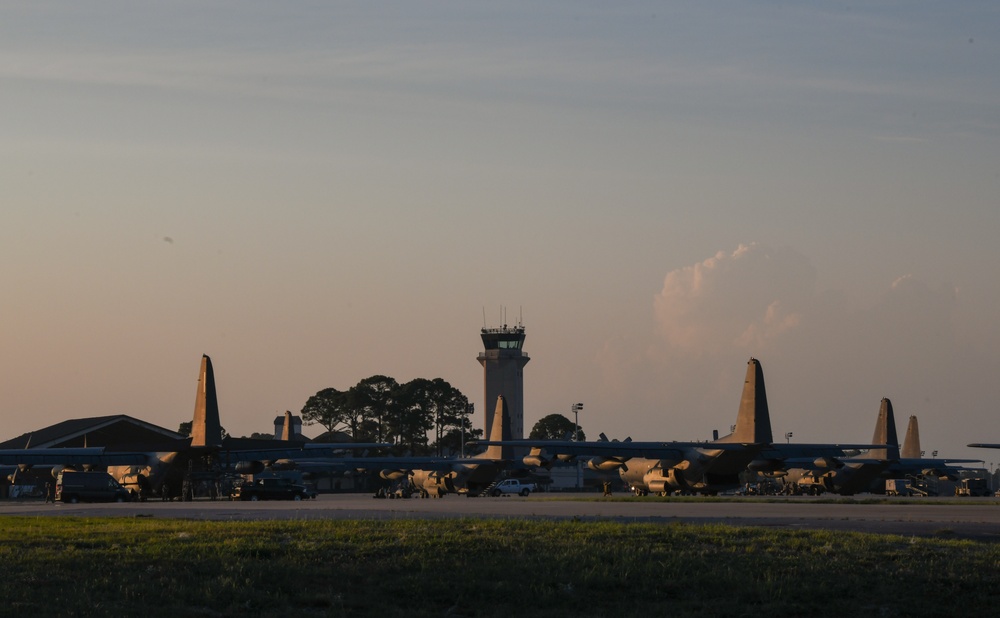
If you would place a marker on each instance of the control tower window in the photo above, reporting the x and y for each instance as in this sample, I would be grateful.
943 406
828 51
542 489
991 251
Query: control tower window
503 338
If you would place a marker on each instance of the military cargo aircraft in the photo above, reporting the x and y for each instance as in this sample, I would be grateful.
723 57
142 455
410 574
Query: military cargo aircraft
168 468
845 475
688 467
470 475
436 477
868 471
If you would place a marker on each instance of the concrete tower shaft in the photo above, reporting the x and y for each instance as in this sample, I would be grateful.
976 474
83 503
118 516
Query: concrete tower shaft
503 362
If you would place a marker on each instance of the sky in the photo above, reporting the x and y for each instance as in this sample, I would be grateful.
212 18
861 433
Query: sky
313 193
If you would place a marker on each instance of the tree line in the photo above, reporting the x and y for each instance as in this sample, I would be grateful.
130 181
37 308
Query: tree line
419 417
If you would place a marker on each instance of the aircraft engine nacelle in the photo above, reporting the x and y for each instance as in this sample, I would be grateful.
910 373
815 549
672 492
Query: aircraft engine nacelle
827 462
284 464
658 480
565 458
658 485
537 459
57 469
393 475
250 467
676 478
684 464
605 464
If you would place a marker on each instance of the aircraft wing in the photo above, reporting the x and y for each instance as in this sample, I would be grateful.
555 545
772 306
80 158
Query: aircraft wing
928 466
441 464
935 463
788 448
344 446
820 463
270 454
101 456
259 450
811 463
798 451
604 448
97 456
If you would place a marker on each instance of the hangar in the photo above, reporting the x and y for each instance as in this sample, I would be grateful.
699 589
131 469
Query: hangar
116 430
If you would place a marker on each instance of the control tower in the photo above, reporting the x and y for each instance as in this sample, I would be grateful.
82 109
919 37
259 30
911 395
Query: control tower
503 363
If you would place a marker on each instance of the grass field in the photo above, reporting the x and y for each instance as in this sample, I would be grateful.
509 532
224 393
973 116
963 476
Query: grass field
160 567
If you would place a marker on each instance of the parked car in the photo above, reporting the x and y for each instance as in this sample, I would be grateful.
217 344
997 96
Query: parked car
271 489
75 487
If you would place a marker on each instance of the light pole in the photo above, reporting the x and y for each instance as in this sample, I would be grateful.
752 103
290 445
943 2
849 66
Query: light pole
576 407
576 420
788 437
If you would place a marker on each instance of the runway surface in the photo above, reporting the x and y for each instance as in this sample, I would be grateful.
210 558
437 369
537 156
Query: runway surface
962 518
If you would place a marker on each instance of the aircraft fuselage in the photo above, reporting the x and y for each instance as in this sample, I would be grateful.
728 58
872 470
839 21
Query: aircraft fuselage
703 470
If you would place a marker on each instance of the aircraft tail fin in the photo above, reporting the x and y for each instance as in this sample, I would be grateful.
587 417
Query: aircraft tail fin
500 432
753 423
911 442
885 433
206 429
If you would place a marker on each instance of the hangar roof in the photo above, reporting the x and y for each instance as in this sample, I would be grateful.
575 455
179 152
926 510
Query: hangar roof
113 430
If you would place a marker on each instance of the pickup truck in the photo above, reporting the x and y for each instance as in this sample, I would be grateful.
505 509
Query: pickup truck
271 489
513 486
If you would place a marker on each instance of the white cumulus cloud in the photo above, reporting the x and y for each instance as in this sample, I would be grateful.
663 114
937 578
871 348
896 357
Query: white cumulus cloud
744 298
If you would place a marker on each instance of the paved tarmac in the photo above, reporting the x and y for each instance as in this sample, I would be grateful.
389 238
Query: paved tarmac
963 518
